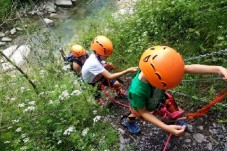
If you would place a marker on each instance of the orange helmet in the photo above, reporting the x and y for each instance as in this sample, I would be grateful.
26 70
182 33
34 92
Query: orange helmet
77 51
162 66
102 46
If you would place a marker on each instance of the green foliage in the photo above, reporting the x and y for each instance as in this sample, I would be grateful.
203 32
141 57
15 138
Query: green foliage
61 117
4 7
191 27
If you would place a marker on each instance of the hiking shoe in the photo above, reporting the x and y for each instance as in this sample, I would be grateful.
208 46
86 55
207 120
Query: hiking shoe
132 127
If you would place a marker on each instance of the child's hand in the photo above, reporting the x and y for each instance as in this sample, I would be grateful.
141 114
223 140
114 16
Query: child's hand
132 69
223 72
176 130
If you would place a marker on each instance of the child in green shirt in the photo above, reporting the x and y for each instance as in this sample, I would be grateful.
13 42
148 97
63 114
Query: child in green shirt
161 68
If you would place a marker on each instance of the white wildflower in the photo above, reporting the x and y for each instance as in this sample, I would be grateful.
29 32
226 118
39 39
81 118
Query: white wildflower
75 82
60 141
21 105
41 93
94 112
68 131
30 108
13 76
24 148
66 67
76 92
9 127
13 99
15 121
42 73
31 103
18 129
220 38
26 139
85 131
51 102
23 135
96 119
6 142
64 95
22 89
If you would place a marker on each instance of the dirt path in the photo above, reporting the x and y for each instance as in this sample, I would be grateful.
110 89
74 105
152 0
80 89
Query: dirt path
206 134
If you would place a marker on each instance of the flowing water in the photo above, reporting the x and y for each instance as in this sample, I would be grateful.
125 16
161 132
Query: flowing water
68 27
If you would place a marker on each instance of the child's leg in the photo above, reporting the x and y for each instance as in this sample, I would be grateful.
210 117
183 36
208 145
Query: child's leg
118 87
129 122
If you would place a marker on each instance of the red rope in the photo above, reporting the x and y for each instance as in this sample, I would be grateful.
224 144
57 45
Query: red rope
206 108
111 98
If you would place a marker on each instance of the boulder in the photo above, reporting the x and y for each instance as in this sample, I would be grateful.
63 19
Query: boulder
64 3
20 55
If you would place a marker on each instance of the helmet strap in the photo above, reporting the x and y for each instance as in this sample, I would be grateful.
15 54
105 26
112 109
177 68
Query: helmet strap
98 56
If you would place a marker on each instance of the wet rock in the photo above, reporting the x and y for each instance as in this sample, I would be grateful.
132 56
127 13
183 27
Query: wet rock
6 39
13 31
64 3
188 140
48 21
200 128
20 55
199 137
2 43
9 51
18 28
50 7
2 34
209 146
55 16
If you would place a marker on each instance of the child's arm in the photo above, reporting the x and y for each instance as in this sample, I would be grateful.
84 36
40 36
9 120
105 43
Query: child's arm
203 69
174 129
112 76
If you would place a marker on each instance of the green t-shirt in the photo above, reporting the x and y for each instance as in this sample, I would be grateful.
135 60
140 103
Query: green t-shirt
142 94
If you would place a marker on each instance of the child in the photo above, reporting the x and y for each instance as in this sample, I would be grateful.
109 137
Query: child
94 72
163 68
77 58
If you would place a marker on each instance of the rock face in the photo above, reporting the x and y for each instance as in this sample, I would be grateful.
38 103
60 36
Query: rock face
17 54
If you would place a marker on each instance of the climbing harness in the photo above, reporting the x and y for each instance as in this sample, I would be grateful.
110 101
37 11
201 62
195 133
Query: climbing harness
201 112
111 67
170 109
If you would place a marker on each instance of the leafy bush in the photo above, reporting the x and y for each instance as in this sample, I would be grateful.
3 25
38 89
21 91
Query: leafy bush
193 28
4 7
60 117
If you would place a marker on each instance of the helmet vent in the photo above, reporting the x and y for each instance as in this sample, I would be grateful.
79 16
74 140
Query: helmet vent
164 48
154 57
158 76
153 67
105 51
164 84
152 48
146 58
